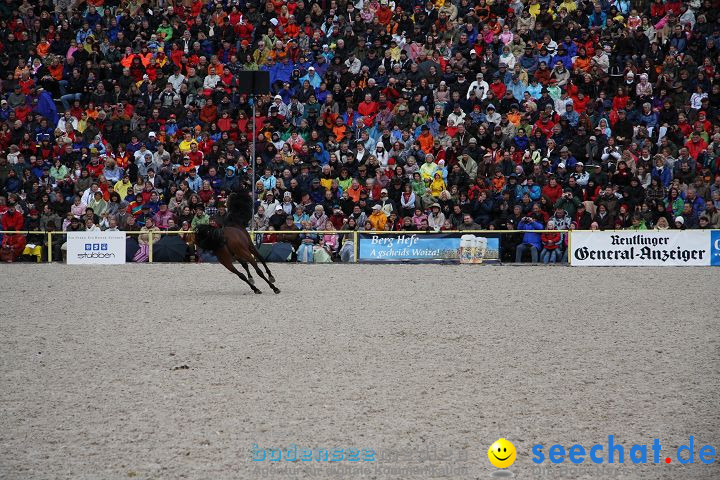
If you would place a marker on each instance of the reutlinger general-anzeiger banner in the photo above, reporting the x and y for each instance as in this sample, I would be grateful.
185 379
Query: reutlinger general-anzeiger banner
645 248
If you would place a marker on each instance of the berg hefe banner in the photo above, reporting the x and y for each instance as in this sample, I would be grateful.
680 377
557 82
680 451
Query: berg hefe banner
645 248
95 248
461 247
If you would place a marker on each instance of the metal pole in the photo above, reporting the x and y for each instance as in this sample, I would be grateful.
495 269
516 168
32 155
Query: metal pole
355 247
252 154
49 234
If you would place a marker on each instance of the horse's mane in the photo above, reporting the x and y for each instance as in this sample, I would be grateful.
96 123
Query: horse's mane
239 209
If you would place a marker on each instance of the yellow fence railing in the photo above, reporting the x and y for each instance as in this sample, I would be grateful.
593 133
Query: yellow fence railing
355 233
152 235
50 234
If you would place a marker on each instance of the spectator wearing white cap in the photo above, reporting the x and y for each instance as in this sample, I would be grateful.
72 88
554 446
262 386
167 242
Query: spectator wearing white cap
580 175
479 86
270 204
382 155
277 103
4 110
311 76
378 218
387 205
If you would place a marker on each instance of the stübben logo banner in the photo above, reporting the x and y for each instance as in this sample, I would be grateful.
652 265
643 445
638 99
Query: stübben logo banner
93 248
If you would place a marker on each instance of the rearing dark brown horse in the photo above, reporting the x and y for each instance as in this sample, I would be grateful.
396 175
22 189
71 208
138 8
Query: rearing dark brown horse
232 241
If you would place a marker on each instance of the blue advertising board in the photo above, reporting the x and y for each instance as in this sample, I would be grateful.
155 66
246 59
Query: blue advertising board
461 247
715 248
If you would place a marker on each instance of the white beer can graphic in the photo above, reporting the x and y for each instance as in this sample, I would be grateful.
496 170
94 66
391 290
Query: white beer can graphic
472 249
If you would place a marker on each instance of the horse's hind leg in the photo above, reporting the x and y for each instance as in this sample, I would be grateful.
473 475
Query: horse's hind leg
226 258
261 275
254 251
247 270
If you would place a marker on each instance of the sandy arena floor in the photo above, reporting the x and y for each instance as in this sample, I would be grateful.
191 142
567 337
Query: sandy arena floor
390 358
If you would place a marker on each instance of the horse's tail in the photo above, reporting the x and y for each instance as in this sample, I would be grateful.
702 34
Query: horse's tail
209 238
240 209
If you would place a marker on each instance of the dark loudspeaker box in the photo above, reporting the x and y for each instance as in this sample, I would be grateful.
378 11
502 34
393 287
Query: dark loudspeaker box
256 83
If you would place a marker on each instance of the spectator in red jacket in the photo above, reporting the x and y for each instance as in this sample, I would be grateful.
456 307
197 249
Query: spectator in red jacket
553 190
696 145
13 220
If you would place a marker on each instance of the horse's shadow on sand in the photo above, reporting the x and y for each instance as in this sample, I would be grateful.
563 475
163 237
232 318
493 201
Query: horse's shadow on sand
228 290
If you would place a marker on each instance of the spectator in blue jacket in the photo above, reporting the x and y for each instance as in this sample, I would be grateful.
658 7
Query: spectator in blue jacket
661 171
648 117
194 181
269 180
597 18
697 203
312 77
532 189
531 241
521 141
563 56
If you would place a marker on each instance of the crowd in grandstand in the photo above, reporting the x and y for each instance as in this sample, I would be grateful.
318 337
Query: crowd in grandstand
383 115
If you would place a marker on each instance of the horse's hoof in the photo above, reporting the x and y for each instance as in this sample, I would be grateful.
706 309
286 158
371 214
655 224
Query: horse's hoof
257 292
277 290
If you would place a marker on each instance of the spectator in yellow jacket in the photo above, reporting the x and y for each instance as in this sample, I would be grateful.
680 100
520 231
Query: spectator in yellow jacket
428 169
438 185
123 186
378 219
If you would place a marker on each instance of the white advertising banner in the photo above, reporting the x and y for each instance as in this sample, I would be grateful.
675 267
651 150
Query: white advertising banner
642 248
95 248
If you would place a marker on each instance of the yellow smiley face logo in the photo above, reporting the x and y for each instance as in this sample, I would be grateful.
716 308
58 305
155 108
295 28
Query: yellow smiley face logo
502 453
